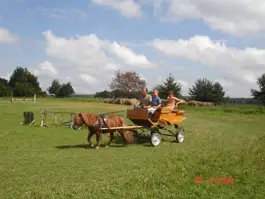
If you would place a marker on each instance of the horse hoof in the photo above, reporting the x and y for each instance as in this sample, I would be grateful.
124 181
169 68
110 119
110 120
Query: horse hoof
97 147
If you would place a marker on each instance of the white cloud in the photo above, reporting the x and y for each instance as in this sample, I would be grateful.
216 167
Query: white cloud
237 17
47 66
91 61
7 77
7 37
183 83
238 65
128 56
46 72
128 8
88 79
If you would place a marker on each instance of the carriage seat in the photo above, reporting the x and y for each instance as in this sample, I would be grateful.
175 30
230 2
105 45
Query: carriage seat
166 110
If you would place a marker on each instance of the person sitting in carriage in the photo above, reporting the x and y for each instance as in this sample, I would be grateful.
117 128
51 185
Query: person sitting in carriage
171 100
156 103
145 99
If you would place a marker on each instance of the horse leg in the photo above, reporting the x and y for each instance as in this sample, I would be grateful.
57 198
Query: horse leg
89 137
97 138
111 138
122 135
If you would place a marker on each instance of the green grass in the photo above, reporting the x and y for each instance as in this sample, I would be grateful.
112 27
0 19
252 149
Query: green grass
55 162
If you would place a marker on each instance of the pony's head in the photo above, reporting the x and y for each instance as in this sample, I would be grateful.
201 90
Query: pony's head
78 121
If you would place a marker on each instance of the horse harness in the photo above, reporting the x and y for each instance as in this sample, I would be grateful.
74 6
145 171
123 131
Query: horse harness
100 124
104 123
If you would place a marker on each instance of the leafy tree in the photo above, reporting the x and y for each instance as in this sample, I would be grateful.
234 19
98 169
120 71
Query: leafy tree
3 81
23 89
103 94
24 83
65 91
126 84
5 90
259 94
55 87
218 93
207 91
169 85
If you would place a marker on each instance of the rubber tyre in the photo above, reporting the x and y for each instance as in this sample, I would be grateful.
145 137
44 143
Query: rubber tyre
155 139
180 136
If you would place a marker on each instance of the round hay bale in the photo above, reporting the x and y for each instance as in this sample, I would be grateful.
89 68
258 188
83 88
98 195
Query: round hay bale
128 102
122 101
133 101
107 101
192 103
200 103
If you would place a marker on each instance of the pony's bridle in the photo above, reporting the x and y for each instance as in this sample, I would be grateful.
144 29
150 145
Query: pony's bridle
75 127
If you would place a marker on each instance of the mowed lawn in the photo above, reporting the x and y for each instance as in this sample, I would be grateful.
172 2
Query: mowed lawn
55 162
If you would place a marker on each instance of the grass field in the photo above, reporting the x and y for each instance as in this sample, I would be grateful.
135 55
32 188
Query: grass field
55 162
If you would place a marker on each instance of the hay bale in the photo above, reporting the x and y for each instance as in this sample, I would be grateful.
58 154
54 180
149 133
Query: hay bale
122 101
192 103
200 103
128 102
107 100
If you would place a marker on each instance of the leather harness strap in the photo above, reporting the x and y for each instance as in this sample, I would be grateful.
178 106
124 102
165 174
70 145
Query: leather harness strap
104 119
100 124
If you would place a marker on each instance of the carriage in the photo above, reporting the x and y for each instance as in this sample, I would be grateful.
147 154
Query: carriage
158 124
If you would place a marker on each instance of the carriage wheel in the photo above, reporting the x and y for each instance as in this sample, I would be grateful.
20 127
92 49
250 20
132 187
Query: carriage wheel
180 136
155 139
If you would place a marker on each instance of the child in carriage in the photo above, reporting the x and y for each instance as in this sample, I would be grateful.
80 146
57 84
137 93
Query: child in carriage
171 100
156 103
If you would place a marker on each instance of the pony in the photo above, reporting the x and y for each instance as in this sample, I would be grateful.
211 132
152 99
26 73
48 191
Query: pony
95 122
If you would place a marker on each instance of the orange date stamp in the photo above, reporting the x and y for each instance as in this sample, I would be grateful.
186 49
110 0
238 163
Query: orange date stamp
213 180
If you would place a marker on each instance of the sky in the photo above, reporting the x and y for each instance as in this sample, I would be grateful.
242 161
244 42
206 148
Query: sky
85 42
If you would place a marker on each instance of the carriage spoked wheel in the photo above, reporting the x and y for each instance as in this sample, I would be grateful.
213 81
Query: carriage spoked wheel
180 136
155 138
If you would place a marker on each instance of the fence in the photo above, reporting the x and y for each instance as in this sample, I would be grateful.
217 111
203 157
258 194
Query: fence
58 118
12 99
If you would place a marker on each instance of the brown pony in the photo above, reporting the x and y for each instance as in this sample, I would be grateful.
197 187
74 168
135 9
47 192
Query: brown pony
94 122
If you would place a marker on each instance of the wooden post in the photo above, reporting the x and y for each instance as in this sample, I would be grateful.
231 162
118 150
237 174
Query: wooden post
11 99
34 98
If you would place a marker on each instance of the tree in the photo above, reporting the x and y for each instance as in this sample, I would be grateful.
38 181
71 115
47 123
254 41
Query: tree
259 94
3 81
126 84
23 89
103 94
65 91
55 87
207 91
24 83
5 90
218 93
169 85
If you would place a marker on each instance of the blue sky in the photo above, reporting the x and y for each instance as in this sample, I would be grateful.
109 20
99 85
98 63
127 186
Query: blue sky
86 41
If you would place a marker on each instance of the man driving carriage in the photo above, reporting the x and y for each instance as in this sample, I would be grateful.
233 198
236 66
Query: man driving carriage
149 102
145 99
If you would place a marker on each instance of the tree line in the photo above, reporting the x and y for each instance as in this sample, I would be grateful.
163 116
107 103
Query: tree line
128 85
23 83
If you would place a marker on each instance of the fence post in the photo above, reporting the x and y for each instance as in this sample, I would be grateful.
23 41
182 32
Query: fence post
11 99
34 99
